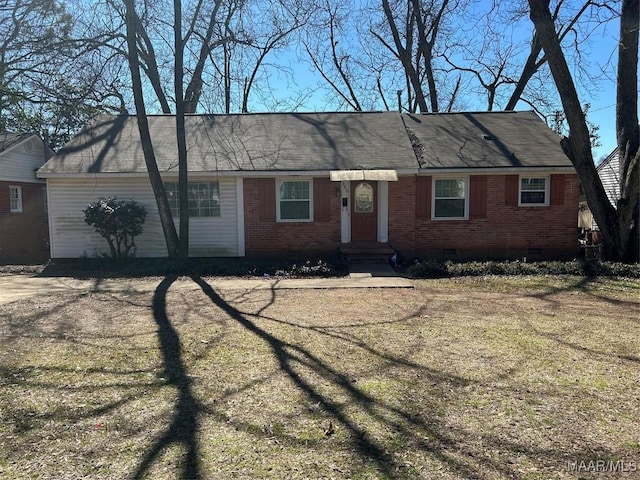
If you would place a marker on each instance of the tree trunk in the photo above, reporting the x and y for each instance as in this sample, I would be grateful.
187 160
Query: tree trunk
425 46
151 65
577 145
531 66
405 58
227 79
183 194
166 219
194 88
628 132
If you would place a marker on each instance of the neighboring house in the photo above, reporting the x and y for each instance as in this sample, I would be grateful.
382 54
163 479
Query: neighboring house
609 173
24 236
458 185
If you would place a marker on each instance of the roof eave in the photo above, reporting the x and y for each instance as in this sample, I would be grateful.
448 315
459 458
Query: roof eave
314 173
497 170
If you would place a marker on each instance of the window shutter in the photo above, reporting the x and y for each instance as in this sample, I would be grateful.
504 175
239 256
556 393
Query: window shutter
322 199
557 189
511 189
423 197
266 199
478 196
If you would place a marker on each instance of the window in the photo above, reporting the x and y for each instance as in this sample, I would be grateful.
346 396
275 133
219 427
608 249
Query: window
450 198
294 201
204 199
15 199
363 198
534 191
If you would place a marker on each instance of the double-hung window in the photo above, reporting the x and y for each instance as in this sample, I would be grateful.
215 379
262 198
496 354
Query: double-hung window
204 198
450 198
15 199
534 191
294 201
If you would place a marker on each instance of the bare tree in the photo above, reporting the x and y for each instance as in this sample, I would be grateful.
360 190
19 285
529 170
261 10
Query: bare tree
142 55
490 76
181 137
364 57
164 210
207 45
210 26
49 84
333 63
240 70
416 28
263 51
535 61
618 225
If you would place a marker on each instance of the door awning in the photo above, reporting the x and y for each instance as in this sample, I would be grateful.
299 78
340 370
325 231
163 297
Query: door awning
384 175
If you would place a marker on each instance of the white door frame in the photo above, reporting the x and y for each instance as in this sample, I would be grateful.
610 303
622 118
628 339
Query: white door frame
345 211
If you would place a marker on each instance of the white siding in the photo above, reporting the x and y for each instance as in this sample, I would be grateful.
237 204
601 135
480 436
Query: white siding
72 238
19 163
216 236
610 177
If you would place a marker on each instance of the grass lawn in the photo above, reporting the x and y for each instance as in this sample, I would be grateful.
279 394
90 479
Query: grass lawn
475 378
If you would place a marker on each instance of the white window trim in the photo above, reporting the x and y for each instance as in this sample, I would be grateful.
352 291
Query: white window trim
279 182
17 189
547 183
466 197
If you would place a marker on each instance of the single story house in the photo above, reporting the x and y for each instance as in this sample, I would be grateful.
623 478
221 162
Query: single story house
452 185
24 233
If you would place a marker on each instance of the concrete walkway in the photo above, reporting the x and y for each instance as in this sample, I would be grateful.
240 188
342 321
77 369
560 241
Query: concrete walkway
18 286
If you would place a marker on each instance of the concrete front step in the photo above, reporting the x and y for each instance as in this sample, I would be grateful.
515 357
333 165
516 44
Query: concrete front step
366 252
366 259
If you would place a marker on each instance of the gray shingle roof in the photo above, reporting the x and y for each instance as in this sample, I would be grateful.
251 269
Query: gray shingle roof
484 140
257 142
316 142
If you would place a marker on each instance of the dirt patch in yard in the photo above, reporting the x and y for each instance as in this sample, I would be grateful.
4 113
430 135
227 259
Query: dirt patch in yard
487 378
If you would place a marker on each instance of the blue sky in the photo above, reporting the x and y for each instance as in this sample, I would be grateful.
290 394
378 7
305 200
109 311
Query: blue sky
603 61
600 59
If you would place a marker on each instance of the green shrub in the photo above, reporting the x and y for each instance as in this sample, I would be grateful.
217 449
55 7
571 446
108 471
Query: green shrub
438 269
118 222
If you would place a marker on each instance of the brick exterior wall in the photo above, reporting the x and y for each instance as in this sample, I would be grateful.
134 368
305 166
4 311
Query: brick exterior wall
24 236
504 232
265 237
402 215
496 230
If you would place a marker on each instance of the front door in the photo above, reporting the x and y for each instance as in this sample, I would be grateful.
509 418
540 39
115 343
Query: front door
364 211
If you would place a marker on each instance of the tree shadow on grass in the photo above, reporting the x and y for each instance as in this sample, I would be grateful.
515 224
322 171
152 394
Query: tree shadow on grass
425 433
287 354
591 286
184 425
